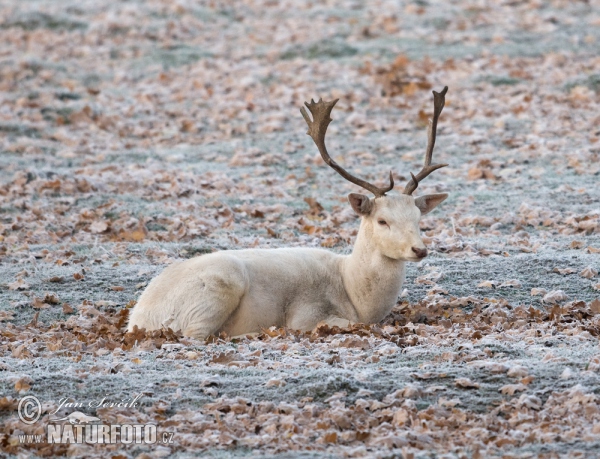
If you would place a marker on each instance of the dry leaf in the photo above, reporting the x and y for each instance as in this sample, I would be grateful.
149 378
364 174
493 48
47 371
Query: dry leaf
99 226
518 371
330 437
23 384
19 284
117 288
567 374
510 389
6 316
588 272
275 382
564 271
67 309
554 297
487 284
51 298
538 291
400 417
510 283
39 303
466 383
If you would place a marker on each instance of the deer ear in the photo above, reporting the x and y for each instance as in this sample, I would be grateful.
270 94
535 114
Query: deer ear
361 204
429 202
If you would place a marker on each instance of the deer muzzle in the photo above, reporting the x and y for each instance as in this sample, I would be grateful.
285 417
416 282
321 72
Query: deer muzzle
421 253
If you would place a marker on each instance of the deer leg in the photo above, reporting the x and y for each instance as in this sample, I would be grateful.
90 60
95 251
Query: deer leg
215 297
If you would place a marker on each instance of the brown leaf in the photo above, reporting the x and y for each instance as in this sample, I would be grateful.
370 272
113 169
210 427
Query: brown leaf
527 380
39 303
19 284
99 226
67 309
78 276
8 404
51 298
588 272
564 271
330 437
314 205
117 288
466 383
510 389
595 306
23 384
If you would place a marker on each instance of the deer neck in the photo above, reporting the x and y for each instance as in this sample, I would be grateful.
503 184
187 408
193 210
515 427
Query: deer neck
372 280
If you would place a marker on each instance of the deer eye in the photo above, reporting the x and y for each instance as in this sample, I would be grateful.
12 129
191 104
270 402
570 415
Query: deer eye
382 222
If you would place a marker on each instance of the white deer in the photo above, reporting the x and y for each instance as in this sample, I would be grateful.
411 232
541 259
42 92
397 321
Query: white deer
244 291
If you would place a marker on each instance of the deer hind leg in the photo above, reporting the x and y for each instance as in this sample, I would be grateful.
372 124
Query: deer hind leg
216 295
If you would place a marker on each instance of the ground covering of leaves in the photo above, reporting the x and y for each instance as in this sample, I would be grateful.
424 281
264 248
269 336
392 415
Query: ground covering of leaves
135 134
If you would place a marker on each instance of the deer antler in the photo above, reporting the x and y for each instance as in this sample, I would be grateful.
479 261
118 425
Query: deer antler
317 127
439 99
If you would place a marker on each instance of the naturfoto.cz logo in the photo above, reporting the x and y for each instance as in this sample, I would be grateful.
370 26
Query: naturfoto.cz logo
78 427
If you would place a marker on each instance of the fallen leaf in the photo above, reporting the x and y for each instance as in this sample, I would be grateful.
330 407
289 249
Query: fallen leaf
527 380
588 272
39 303
518 371
510 283
19 284
564 271
23 384
538 291
595 306
275 382
466 383
56 279
510 389
330 437
530 401
99 226
51 298
487 284
554 297
67 309
117 288
567 374
6 316
400 417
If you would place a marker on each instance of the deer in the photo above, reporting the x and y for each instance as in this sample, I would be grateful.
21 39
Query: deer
242 292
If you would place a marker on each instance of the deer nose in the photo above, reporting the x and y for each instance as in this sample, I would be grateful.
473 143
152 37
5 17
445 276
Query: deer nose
421 253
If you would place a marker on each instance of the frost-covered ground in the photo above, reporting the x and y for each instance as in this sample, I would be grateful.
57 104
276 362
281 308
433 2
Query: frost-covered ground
135 134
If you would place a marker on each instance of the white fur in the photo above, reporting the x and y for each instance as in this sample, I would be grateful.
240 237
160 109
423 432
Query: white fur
244 291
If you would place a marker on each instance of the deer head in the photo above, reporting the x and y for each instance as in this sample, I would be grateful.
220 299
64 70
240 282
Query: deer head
390 222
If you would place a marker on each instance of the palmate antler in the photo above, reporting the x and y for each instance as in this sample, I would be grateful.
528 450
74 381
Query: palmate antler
317 127
439 99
